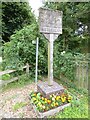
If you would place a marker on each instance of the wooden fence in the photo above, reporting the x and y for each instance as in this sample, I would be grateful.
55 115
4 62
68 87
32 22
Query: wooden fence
82 74
5 82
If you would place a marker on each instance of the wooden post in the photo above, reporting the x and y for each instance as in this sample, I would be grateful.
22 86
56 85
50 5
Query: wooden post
87 74
50 60
27 69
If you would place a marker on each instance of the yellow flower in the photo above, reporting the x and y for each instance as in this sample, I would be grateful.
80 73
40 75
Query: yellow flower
40 106
43 107
56 104
42 98
48 101
63 99
50 96
69 98
58 97
33 99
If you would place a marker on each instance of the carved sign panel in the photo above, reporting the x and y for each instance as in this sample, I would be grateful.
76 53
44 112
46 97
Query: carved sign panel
50 21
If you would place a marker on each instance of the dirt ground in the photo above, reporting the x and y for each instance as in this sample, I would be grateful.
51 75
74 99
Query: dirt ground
9 100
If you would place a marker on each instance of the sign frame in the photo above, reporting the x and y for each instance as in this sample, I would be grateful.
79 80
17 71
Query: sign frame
50 21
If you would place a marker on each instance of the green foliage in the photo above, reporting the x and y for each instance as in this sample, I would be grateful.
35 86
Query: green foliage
6 77
73 13
19 105
68 41
79 109
21 50
15 15
64 64
25 79
22 81
43 56
79 105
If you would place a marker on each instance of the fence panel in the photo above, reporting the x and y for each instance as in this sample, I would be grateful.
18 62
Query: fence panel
2 82
82 74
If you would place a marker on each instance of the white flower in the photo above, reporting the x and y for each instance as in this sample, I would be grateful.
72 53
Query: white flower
33 42
0 59
62 52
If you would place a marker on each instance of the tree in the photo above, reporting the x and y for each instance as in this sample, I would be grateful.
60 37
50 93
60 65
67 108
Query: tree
15 15
21 50
74 13
74 39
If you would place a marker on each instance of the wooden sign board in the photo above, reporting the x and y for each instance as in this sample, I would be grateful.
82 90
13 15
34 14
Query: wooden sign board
50 21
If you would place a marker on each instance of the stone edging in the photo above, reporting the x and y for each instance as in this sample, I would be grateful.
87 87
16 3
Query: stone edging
50 112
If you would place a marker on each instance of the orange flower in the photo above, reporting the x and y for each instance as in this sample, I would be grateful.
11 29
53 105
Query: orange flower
48 101
34 94
63 95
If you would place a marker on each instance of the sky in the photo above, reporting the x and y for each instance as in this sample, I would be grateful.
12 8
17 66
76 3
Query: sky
35 5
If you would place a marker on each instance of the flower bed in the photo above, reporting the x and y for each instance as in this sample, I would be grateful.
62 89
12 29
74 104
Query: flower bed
49 106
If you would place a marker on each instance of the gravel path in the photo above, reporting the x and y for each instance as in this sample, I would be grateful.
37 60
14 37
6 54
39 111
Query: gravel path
9 100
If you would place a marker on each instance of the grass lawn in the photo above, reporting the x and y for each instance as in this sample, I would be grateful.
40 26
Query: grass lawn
21 82
79 109
79 105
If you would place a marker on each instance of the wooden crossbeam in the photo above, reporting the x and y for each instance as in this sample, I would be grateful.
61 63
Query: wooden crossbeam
9 71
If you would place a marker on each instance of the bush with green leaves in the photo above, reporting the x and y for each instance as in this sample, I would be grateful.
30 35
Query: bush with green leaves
65 65
21 50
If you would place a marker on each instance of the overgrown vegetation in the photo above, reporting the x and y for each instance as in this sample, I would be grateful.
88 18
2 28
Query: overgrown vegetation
19 33
15 15
21 48
21 82
79 109
66 63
